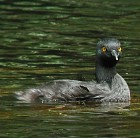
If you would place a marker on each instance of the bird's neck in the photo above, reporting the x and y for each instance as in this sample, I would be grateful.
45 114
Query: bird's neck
105 74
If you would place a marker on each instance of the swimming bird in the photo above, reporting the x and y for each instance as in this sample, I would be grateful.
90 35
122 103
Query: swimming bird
108 87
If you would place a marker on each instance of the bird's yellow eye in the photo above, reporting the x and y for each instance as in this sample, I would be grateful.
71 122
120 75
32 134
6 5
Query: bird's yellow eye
104 49
119 49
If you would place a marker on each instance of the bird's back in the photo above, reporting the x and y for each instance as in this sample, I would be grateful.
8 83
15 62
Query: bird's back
64 91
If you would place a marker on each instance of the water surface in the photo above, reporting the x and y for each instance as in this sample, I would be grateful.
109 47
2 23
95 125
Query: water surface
46 40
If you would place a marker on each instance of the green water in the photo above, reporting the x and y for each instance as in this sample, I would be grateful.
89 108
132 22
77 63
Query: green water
46 40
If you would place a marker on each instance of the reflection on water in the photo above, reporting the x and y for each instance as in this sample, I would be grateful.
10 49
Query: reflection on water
45 40
68 121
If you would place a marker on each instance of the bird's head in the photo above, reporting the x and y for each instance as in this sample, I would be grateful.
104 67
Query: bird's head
108 52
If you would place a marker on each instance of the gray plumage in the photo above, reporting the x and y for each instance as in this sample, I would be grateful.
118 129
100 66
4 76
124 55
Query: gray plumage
110 86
